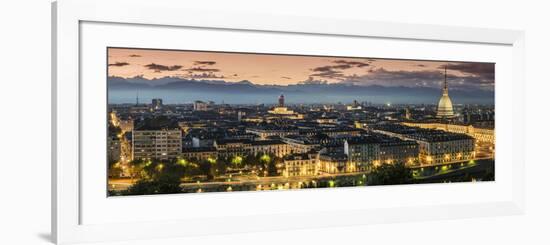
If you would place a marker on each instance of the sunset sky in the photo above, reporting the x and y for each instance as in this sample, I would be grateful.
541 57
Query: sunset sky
290 69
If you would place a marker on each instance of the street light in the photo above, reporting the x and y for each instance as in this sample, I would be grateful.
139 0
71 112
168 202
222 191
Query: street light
211 160
265 158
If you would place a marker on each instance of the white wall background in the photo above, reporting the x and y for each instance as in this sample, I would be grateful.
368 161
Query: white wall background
25 122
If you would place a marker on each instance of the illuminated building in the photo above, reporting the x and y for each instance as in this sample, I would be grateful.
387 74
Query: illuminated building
240 115
282 111
126 125
199 153
435 146
156 143
233 147
407 114
114 149
341 131
333 163
300 165
394 150
301 143
200 106
275 147
242 147
480 134
355 106
266 132
327 120
362 152
156 104
445 105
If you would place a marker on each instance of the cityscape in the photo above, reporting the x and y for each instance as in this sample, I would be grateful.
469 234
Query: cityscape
198 122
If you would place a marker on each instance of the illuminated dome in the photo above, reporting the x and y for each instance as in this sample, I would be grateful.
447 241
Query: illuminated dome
445 106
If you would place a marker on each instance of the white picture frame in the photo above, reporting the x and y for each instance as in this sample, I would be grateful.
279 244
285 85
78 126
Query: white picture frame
67 199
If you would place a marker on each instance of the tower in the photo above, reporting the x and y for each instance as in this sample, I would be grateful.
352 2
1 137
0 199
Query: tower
282 101
407 114
445 106
156 104
240 115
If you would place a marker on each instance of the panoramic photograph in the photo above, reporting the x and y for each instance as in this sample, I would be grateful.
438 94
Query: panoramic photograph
183 121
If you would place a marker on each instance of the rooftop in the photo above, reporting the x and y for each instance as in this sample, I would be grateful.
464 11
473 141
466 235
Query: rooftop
432 135
233 141
268 142
198 149
333 156
156 123
301 156
363 140
302 139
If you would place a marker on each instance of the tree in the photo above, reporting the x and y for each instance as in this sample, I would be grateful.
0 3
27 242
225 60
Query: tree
206 169
272 166
221 165
237 161
114 169
249 160
157 177
136 168
147 187
390 174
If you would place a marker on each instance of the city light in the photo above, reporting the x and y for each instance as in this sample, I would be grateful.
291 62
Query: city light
237 160
208 142
265 158
182 162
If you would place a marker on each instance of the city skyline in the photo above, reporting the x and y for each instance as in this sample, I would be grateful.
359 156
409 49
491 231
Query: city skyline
193 122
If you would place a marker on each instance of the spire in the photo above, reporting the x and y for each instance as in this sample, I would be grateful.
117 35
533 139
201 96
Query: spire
445 88
445 77
137 97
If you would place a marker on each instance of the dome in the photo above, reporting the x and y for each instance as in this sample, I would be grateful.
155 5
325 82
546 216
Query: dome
445 107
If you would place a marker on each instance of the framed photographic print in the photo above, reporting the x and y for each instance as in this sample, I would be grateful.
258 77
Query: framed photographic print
210 123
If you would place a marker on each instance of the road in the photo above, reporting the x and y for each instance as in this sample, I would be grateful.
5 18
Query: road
459 173
449 172
124 183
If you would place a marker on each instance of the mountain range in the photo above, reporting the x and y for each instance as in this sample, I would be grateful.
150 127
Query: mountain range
178 90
